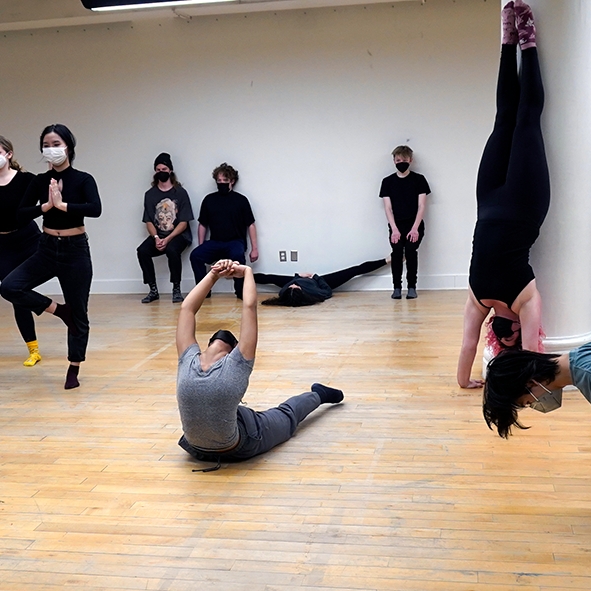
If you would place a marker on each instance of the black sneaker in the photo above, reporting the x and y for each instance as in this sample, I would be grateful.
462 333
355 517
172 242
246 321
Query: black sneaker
411 294
396 294
177 296
152 296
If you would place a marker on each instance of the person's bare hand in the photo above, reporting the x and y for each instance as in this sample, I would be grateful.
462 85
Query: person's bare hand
55 194
474 384
237 270
395 237
222 268
47 206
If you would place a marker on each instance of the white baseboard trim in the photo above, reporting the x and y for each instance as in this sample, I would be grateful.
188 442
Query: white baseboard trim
382 282
565 343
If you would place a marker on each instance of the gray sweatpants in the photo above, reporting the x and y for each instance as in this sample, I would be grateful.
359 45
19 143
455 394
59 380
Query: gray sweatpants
262 431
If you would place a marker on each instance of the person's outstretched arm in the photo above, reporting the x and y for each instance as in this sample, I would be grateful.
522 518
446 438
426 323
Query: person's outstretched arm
249 326
185 328
474 316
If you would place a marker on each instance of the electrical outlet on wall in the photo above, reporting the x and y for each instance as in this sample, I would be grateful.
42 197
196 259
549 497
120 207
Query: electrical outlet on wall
283 256
293 256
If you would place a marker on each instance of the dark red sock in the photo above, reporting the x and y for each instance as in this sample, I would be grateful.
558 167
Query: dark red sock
72 377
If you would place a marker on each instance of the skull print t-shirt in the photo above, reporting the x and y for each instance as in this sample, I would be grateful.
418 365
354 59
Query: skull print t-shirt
166 209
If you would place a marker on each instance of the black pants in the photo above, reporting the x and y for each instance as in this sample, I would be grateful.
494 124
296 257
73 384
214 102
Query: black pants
15 249
262 431
68 259
334 280
513 181
213 250
147 250
405 249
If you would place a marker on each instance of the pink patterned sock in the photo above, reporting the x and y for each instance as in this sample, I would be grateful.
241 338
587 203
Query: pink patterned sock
524 19
510 36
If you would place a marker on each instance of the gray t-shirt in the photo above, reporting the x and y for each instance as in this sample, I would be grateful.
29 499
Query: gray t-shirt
208 400
580 369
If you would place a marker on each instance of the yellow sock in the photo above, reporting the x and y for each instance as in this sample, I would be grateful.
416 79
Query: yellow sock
34 356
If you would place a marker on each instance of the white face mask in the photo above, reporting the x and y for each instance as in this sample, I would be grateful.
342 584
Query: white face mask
3 160
547 402
55 156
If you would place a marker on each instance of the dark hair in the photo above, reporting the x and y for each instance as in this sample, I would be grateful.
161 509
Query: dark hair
65 134
507 379
224 335
293 298
227 170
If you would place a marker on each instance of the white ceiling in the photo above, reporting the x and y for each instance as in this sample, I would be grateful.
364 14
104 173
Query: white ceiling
36 14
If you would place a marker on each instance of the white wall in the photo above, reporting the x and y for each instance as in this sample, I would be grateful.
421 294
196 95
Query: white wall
561 255
306 104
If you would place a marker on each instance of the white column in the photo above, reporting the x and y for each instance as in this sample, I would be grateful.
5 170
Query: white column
561 257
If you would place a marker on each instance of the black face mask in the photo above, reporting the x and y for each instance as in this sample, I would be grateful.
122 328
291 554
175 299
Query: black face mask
502 327
162 176
402 166
223 187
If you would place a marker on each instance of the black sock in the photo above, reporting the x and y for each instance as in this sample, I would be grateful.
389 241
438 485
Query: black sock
327 394
64 312
72 377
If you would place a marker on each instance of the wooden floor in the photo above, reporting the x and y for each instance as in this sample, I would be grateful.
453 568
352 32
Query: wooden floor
401 488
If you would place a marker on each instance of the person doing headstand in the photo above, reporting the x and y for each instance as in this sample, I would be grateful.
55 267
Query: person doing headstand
212 382
513 195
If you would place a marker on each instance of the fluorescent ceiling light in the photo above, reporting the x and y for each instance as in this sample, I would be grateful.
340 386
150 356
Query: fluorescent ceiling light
141 5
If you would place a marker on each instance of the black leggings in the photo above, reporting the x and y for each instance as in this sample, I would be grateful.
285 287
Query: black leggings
513 181
16 248
334 280
68 259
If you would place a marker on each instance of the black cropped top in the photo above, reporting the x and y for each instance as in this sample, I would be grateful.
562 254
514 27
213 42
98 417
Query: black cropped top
79 191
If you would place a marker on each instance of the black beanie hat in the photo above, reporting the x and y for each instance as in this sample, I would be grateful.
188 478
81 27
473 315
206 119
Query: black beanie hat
163 158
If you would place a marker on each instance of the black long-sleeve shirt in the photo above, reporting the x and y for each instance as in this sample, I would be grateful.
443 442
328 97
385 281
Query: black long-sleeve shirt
79 191
11 196
315 287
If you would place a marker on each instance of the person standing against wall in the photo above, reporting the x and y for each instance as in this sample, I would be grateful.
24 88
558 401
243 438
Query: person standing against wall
229 217
18 241
64 197
167 213
405 197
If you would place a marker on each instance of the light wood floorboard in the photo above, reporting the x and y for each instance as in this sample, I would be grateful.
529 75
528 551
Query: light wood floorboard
401 488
